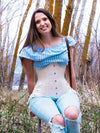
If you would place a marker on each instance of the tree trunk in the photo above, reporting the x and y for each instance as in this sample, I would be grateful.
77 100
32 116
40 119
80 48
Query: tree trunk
57 14
74 18
47 3
51 6
0 45
11 75
22 80
88 35
99 69
69 10
80 20
37 5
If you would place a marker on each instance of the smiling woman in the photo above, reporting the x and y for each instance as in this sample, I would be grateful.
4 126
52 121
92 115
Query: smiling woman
44 27
51 98
43 24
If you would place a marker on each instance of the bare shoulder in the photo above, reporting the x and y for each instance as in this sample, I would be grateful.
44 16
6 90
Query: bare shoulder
26 61
27 64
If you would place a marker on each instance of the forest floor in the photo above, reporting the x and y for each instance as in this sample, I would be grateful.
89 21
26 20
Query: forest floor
14 112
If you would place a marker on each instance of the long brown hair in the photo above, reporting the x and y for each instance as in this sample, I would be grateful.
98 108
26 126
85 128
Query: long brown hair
33 34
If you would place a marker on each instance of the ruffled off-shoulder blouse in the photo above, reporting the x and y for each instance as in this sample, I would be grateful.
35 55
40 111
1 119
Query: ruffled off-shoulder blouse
55 54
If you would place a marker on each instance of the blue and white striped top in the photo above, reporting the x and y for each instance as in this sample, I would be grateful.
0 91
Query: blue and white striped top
55 54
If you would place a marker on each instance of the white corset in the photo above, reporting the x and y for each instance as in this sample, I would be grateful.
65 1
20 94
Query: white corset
51 81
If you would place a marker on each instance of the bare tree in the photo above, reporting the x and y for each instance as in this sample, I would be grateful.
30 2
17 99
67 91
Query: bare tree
57 14
80 19
22 80
7 44
88 35
68 15
51 6
37 5
0 45
74 17
11 75
98 48
0 25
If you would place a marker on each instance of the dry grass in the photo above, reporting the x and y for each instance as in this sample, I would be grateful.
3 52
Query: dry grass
90 108
14 117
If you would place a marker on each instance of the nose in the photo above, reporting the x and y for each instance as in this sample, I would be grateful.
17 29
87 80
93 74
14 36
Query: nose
42 23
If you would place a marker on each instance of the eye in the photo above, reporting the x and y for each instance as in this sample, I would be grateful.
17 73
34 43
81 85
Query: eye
37 22
45 19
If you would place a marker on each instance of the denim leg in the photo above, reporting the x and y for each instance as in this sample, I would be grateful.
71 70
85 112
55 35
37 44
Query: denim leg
45 108
73 126
65 101
56 128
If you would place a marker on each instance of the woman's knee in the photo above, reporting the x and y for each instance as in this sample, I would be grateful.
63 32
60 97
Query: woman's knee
58 119
71 113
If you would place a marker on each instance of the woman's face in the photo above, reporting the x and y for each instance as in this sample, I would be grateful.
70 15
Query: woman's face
43 24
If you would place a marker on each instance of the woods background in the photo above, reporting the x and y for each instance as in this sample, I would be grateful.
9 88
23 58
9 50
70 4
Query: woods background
77 18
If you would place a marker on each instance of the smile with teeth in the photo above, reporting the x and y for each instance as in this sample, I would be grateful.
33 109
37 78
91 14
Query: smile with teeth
44 28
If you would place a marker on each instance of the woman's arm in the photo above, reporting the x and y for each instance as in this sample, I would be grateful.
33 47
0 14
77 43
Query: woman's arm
67 73
72 74
29 71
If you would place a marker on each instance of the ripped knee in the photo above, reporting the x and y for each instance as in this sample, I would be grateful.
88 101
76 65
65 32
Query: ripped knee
71 113
58 119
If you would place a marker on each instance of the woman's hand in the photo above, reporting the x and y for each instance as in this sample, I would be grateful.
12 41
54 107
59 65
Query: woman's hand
31 114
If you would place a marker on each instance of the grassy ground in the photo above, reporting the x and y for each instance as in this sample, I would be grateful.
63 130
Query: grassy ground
14 117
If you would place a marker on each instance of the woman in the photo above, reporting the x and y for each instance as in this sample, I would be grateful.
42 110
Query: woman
51 98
